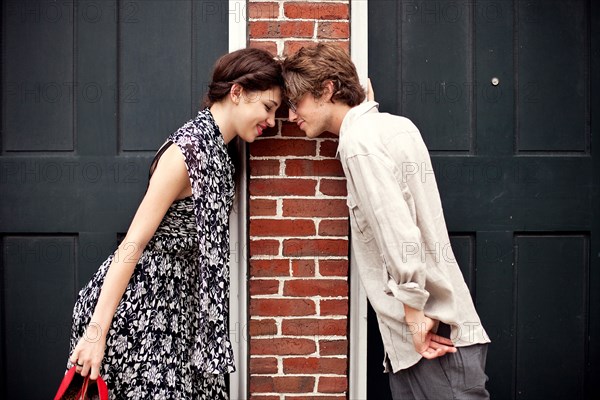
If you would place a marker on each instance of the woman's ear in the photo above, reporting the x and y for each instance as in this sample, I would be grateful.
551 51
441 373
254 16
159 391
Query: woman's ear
235 93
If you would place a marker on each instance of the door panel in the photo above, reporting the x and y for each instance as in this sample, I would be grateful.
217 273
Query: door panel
445 91
37 77
515 169
152 101
552 307
36 314
552 111
91 90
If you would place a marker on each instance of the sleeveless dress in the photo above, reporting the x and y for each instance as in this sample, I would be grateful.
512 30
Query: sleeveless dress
169 335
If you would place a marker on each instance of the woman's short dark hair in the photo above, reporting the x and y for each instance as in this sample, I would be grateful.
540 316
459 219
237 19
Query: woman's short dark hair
253 69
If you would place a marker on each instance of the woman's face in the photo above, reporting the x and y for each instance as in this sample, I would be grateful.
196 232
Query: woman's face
255 111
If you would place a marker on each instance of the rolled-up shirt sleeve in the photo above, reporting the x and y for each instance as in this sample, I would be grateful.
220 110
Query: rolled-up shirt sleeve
383 201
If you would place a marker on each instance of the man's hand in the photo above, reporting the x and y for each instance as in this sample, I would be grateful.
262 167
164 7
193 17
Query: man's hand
426 343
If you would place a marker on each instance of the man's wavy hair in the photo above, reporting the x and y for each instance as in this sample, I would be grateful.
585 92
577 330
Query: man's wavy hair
309 69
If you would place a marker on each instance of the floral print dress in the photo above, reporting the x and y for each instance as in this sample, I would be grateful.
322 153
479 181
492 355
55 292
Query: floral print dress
169 336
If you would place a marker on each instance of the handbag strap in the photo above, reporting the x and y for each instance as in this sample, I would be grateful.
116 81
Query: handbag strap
102 389
100 384
64 385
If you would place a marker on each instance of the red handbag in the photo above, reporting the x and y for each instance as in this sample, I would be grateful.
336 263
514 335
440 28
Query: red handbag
77 387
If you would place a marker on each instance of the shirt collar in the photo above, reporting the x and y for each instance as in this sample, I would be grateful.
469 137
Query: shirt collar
353 115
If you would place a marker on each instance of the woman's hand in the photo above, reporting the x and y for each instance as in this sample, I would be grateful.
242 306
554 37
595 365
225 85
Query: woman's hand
89 352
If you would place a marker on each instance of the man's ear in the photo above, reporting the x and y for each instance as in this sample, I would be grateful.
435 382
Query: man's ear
235 93
328 90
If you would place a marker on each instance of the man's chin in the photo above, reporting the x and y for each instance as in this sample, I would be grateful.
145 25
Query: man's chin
312 134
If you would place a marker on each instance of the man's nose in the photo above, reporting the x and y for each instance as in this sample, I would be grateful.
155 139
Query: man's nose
292 116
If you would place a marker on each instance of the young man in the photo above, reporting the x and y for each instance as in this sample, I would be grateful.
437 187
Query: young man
434 341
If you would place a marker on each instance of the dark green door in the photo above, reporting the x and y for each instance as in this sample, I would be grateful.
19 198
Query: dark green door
505 95
90 89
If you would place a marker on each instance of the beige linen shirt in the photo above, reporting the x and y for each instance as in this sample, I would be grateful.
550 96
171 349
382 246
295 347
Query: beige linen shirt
400 242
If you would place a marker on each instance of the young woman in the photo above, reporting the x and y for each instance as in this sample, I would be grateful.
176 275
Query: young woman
153 319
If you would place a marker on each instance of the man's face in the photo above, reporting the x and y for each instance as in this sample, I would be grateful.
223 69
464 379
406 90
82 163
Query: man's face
312 115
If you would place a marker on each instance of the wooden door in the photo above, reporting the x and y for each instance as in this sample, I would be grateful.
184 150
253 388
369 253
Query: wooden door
505 94
90 90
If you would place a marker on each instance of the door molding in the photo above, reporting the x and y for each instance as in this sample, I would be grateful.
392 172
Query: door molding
238 304
357 377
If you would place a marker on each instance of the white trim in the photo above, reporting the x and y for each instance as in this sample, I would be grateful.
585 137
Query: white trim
238 22
358 299
238 308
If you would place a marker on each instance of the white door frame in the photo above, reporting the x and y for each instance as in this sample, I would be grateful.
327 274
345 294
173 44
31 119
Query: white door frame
357 378
238 307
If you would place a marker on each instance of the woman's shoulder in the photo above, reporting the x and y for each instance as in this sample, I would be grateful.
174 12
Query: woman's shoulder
199 129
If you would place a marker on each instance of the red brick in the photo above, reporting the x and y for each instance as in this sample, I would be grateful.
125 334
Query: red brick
301 167
264 167
283 29
315 247
282 307
263 207
333 267
313 365
331 187
328 148
262 327
270 131
303 267
284 147
259 397
291 129
317 397
263 10
264 247
263 286
282 227
282 113
328 135
316 10
312 326
282 384
266 45
330 384
333 347
333 30
282 187
334 307
263 365
333 227
316 287
273 267
315 208
282 346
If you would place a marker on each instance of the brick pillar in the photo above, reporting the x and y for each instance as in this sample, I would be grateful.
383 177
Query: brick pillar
298 328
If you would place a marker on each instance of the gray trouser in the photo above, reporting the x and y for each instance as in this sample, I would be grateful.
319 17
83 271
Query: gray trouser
457 376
